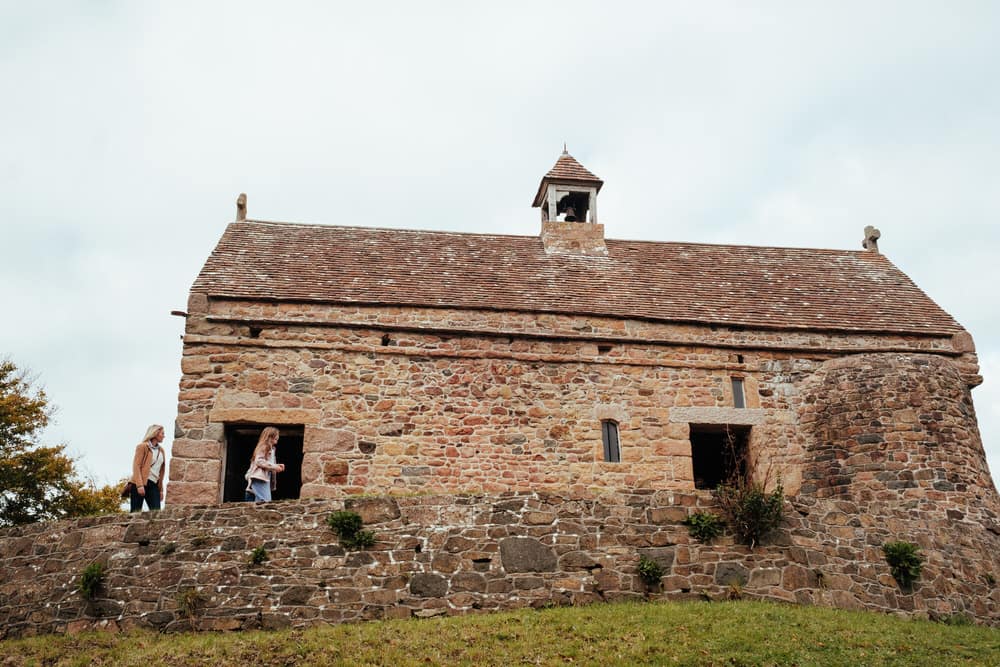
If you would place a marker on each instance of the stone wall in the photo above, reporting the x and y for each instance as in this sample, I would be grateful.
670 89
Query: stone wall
438 400
439 555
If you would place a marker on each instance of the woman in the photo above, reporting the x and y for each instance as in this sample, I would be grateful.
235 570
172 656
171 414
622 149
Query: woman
149 470
263 472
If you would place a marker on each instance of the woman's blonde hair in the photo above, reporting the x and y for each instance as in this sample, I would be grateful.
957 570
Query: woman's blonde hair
264 442
151 431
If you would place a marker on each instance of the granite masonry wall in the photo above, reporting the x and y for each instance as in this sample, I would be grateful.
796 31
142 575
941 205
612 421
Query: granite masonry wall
188 566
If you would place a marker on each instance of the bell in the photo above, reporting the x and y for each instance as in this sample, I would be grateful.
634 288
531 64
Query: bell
570 214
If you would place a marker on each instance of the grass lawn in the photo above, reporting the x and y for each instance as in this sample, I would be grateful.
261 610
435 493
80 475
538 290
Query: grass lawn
672 633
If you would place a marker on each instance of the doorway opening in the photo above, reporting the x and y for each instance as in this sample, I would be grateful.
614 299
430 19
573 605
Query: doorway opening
718 453
240 442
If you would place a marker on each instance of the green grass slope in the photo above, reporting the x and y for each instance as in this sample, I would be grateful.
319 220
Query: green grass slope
692 633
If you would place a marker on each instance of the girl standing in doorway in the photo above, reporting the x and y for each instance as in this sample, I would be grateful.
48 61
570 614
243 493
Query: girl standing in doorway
263 472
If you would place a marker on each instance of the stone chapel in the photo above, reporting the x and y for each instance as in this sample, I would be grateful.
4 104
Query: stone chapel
522 419
398 361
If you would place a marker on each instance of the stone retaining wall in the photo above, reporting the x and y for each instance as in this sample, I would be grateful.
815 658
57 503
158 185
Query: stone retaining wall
188 566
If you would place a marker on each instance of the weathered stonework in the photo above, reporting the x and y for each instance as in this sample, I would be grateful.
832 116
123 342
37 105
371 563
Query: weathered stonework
457 554
430 400
439 363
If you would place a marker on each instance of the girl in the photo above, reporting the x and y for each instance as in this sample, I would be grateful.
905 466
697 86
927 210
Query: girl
263 471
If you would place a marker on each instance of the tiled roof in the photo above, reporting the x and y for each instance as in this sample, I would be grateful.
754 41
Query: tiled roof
566 169
685 282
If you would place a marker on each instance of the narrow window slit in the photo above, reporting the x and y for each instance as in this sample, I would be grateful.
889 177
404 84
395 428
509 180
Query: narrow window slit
609 436
738 398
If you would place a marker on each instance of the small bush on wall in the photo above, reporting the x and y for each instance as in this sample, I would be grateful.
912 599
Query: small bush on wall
348 525
257 556
750 510
650 571
91 580
704 526
904 560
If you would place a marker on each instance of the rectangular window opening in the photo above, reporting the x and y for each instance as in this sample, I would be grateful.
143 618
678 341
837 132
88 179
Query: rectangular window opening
718 454
738 398
241 439
609 435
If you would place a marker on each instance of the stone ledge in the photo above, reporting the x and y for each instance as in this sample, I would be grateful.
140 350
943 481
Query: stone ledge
737 416
265 415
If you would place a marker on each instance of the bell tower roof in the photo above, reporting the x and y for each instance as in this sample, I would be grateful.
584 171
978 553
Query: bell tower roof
568 171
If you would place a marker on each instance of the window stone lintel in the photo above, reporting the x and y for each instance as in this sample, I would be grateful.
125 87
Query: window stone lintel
733 416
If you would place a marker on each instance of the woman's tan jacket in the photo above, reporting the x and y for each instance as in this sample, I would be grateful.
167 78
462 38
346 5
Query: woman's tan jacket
141 464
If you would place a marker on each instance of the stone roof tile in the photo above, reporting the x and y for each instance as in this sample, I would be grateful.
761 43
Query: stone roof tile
784 288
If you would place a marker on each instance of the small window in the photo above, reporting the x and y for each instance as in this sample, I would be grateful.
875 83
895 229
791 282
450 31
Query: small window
738 400
609 434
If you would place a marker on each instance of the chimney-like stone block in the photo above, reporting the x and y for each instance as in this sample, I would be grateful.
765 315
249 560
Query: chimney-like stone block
574 238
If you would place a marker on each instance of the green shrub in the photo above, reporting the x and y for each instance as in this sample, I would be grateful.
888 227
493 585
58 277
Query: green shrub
168 548
91 580
704 526
904 560
348 525
257 556
750 510
650 571
363 539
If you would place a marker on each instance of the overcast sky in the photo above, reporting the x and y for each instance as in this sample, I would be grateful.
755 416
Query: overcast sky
127 129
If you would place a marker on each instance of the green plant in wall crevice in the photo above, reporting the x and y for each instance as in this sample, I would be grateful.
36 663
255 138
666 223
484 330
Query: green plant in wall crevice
905 561
348 526
704 526
91 580
258 555
650 571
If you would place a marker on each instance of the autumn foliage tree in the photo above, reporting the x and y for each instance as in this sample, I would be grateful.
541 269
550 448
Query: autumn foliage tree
39 483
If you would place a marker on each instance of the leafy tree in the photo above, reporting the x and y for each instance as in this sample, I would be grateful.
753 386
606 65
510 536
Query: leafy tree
39 483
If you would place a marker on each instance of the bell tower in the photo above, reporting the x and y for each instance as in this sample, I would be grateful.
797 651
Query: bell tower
567 197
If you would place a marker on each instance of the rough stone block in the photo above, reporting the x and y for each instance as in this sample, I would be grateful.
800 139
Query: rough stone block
328 440
427 585
727 573
200 470
577 560
193 493
526 554
374 510
270 416
195 449
195 365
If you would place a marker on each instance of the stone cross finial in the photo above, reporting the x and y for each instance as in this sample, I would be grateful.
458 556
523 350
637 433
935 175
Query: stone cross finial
870 243
241 206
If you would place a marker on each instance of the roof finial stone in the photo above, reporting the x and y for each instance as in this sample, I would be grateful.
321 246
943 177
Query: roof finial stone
870 242
241 207
565 151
